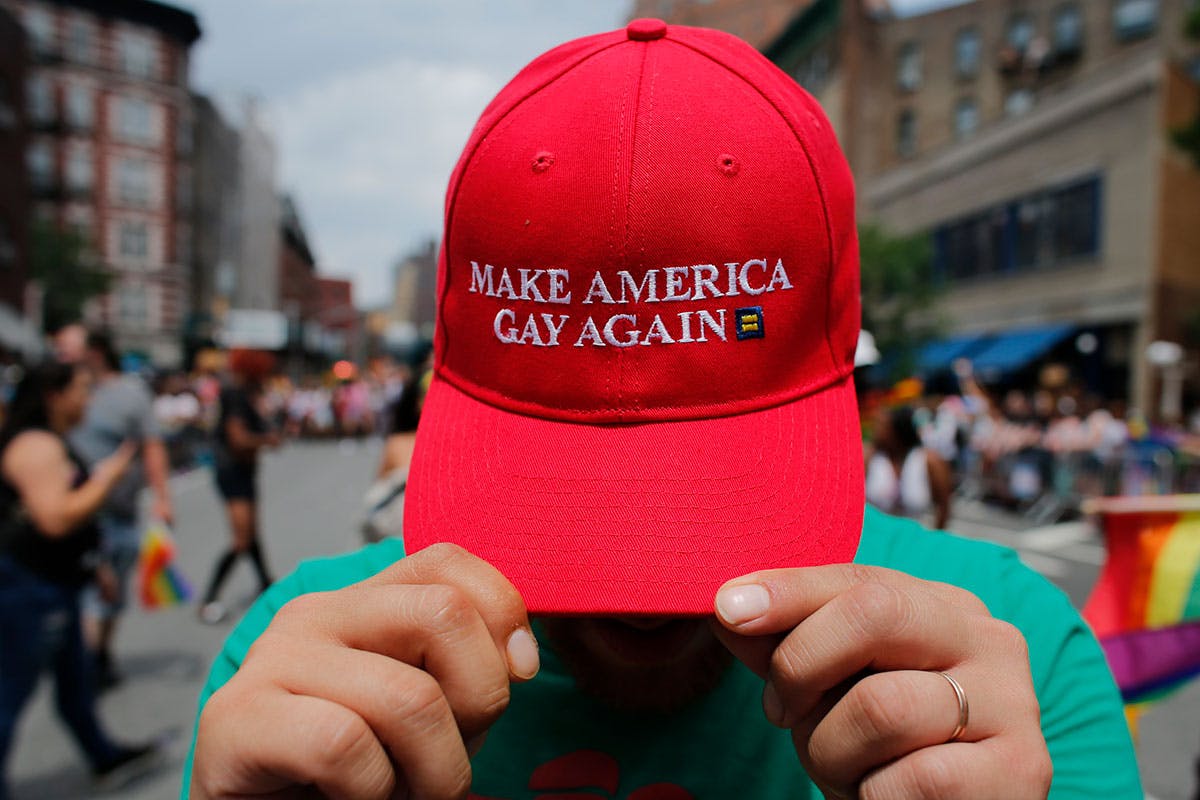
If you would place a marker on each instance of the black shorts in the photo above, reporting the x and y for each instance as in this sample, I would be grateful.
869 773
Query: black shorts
237 482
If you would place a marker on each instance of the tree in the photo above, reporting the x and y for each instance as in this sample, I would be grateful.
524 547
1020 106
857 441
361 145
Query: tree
1187 137
68 271
898 294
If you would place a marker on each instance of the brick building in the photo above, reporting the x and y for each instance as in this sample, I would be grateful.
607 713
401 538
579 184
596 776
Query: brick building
109 152
338 322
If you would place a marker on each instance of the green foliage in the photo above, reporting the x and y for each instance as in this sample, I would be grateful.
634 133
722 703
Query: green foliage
70 274
899 292
1191 329
1187 138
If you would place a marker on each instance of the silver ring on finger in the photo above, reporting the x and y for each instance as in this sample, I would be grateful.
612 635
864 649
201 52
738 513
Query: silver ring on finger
964 710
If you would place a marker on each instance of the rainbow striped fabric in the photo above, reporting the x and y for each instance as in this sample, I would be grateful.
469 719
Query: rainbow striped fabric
1145 607
160 583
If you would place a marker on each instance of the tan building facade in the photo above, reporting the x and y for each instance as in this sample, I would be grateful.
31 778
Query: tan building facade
1032 142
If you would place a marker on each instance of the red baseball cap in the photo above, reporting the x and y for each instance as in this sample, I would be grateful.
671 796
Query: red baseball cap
648 307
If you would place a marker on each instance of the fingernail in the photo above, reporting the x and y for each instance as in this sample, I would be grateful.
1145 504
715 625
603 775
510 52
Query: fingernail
523 654
476 744
772 705
737 605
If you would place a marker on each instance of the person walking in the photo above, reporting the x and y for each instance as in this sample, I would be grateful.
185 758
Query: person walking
242 432
903 477
121 409
48 550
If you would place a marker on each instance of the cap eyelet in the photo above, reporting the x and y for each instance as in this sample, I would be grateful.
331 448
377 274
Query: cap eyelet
543 161
728 164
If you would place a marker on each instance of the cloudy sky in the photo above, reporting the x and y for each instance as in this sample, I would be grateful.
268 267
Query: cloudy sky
371 101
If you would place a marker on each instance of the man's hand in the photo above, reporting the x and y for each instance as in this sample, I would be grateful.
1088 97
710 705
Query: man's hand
378 690
851 656
163 510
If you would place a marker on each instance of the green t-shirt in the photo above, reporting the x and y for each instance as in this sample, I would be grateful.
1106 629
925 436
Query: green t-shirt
553 740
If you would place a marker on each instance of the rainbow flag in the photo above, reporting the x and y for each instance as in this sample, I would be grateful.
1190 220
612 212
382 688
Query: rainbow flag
1145 607
160 582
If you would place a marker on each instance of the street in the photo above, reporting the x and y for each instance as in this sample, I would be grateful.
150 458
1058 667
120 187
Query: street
311 495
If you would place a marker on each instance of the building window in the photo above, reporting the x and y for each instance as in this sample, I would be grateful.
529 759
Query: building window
966 117
908 67
133 241
184 142
1133 19
1068 30
39 159
1020 32
906 133
136 55
133 182
81 106
133 305
39 24
966 53
40 99
183 191
972 247
80 173
1018 102
81 40
813 71
135 120
1077 221
1047 229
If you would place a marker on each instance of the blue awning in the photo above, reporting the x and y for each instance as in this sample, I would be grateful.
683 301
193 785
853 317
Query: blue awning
942 353
1014 349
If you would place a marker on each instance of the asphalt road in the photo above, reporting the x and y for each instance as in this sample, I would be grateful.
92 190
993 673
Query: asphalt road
311 500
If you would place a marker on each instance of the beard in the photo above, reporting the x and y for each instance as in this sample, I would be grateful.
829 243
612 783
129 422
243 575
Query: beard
640 665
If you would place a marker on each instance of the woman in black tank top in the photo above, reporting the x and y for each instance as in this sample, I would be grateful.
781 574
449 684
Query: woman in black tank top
47 541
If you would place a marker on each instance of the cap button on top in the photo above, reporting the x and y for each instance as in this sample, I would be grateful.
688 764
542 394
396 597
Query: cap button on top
646 30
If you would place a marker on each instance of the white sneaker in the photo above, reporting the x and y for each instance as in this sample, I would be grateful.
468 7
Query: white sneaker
212 613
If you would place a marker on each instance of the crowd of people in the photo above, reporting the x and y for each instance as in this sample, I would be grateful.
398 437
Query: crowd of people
106 436
81 440
1038 450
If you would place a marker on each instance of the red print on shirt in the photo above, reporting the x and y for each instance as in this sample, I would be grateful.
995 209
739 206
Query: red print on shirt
590 775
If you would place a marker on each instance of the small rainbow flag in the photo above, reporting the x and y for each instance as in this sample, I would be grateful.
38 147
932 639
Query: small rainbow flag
160 583
1145 607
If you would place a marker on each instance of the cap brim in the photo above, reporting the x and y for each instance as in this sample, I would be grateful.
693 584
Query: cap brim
647 519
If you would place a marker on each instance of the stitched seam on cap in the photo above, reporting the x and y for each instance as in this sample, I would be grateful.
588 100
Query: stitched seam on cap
633 134
466 163
817 178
